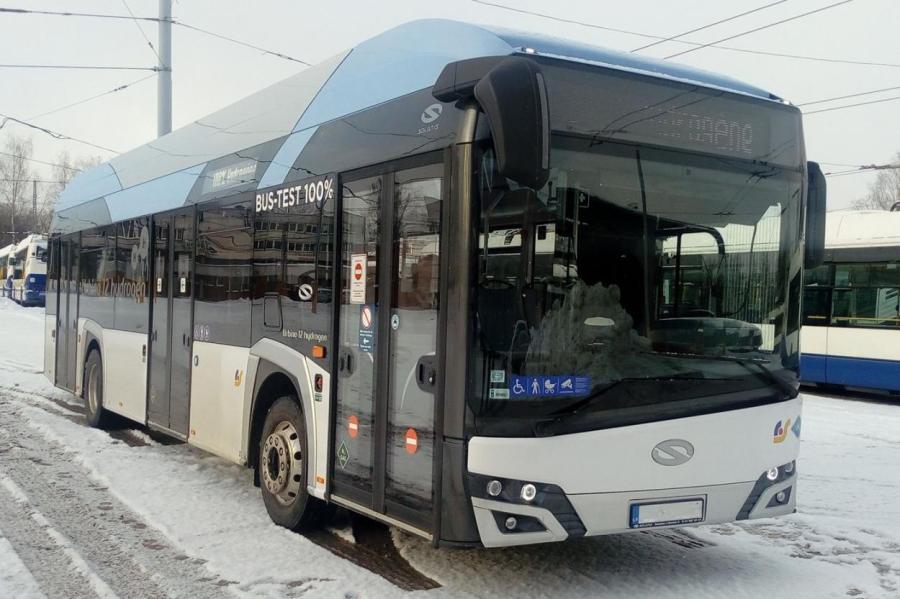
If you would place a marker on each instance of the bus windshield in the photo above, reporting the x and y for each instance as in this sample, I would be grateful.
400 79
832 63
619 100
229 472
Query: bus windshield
636 277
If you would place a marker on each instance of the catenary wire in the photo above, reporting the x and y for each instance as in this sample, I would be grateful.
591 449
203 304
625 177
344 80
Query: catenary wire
760 28
707 26
26 158
680 41
54 134
94 97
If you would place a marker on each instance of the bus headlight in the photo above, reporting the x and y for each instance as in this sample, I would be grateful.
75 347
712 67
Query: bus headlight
529 492
494 488
772 474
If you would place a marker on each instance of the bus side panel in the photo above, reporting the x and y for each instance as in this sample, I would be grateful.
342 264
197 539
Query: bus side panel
864 358
125 373
218 382
813 354
50 345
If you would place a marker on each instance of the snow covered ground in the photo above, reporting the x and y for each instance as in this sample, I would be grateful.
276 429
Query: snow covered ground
85 513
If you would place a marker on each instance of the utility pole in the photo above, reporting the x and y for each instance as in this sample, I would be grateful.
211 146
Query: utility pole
34 220
164 76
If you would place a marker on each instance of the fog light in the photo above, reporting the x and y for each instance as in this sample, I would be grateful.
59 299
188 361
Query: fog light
494 488
772 473
511 523
788 468
529 492
781 497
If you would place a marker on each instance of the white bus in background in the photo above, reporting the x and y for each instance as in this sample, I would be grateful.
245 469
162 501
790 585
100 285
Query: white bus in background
851 304
5 271
29 271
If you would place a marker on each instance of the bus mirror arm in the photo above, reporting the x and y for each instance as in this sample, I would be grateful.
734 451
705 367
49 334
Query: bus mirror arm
814 250
512 93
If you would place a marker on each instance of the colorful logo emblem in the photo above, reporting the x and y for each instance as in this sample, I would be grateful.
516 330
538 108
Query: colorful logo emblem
781 431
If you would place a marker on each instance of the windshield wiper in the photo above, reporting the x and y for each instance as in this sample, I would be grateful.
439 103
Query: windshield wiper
761 371
601 390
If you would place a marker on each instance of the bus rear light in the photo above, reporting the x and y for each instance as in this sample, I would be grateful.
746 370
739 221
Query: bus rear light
318 351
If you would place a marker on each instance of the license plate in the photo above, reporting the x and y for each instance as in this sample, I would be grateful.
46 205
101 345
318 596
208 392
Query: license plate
667 513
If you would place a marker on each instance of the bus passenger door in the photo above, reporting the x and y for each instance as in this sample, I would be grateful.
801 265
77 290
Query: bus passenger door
388 372
172 330
67 314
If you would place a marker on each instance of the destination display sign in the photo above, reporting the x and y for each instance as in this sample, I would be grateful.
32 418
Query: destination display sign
316 190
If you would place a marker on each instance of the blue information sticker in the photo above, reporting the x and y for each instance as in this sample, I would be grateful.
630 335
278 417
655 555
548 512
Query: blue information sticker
518 386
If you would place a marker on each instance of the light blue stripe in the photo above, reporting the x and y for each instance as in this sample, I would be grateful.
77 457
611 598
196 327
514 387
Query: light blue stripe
157 195
287 154
96 182
398 62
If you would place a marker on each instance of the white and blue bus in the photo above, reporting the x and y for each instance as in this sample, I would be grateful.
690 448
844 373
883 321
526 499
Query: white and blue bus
851 304
28 272
441 280
5 270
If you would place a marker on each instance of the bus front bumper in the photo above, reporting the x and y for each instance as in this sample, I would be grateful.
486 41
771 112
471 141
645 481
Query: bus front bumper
555 516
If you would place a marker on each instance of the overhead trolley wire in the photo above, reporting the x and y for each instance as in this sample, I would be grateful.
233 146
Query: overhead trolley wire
695 30
141 29
754 30
26 158
75 66
688 43
157 20
54 134
874 91
94 97
891 99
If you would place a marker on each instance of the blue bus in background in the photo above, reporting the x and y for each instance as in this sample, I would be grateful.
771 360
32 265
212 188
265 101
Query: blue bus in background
851 304
26 275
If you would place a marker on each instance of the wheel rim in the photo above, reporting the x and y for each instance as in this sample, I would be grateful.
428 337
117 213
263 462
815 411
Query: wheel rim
282 463
93 391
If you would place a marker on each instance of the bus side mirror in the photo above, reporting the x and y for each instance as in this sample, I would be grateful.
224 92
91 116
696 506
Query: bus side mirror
814 252
513 96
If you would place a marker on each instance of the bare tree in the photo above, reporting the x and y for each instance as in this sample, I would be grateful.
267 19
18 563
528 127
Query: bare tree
884 192
15 187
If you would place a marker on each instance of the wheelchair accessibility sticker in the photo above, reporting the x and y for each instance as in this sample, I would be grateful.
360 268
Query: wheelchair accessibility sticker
548 386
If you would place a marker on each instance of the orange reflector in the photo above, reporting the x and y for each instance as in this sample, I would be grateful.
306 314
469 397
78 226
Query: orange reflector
318 351
320 480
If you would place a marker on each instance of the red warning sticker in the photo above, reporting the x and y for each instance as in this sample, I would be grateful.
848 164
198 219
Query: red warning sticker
412 441
353 426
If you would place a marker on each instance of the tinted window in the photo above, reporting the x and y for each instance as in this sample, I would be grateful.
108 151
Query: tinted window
98 275
223 277
132 270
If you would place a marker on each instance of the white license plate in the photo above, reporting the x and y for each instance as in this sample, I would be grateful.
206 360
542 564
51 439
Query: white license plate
667 513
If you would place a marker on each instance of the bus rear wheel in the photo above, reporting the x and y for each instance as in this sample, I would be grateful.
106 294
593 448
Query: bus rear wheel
283 468
92 391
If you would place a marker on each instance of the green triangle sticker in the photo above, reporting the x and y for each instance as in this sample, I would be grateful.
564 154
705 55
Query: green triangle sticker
343 455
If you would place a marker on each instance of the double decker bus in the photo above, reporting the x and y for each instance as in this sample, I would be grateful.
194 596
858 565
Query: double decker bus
28 271
851 305
441 280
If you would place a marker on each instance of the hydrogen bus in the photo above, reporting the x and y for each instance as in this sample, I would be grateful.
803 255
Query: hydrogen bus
28 276
437 280
851 304
5 271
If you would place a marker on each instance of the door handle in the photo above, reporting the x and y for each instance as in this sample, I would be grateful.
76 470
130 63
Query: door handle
426 373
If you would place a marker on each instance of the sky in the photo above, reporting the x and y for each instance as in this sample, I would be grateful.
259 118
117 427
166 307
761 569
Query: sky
210 73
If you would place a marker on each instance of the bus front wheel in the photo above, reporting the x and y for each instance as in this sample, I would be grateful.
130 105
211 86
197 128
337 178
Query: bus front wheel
283 468
92 391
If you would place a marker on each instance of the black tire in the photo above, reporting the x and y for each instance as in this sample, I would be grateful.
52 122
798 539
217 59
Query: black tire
282 473
92 391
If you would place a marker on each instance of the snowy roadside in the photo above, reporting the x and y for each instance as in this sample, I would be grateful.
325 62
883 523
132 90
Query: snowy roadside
844 541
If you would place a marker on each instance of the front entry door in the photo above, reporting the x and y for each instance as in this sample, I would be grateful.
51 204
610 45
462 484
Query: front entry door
387 365
67 313
171 336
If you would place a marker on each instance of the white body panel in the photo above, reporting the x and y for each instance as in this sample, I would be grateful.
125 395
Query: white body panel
729 447
50 347
876 344
814 340
218 399
125 373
